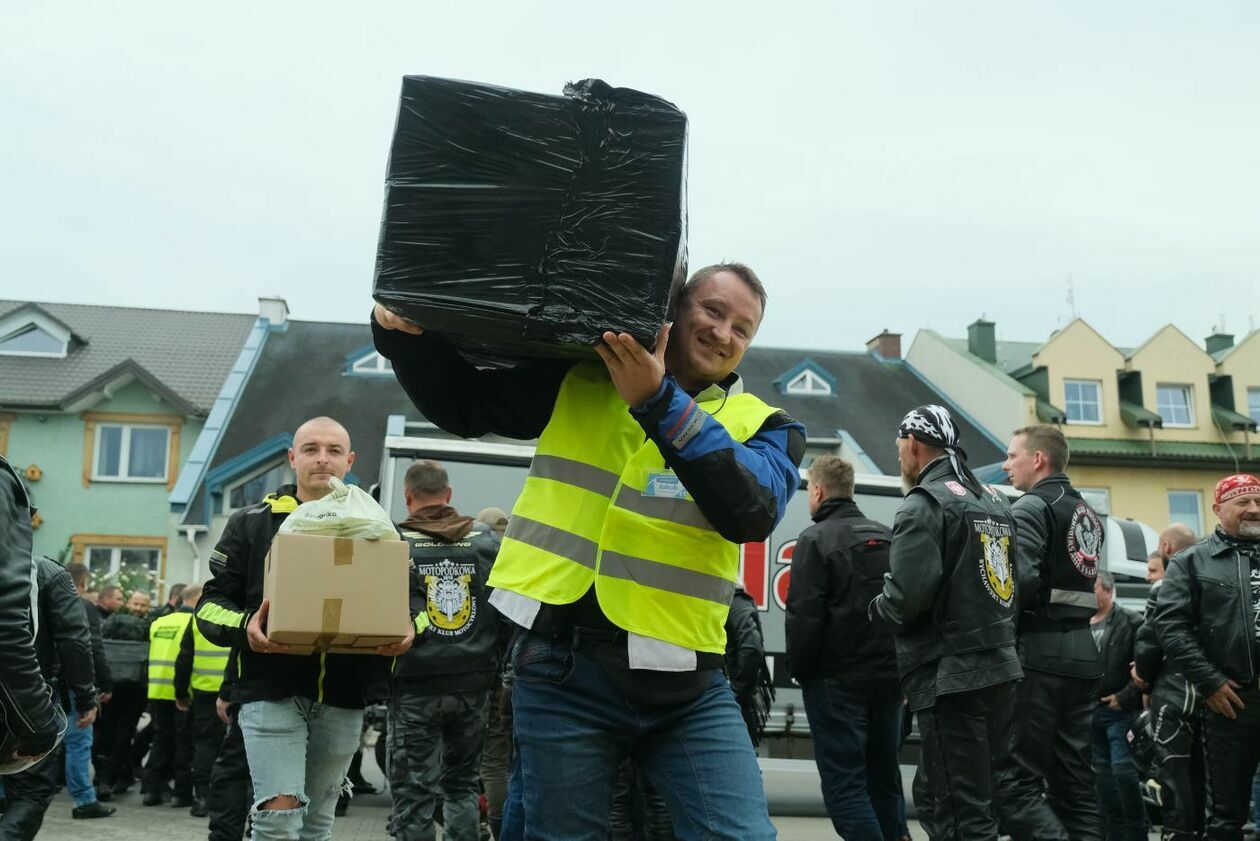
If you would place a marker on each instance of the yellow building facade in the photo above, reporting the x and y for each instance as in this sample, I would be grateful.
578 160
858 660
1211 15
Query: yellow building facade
1151 428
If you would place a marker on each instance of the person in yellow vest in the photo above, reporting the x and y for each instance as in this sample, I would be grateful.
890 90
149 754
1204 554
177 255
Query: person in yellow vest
198 676
621 554
170 757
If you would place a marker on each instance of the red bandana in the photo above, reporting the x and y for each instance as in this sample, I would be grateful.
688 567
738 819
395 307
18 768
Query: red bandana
1240 484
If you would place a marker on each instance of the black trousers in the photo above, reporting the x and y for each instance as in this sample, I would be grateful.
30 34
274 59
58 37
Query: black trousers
29 792
1177 716
231 794
1055 791
967 763
207 735
170 756
116 731
1231 752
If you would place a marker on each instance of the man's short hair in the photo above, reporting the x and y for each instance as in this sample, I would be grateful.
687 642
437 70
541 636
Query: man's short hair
191 593
1048 440
1107 580
740 270
834 474
109 589
1158 556
426 478
78 573
176 591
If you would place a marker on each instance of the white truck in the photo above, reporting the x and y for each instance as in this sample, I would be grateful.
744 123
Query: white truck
485 474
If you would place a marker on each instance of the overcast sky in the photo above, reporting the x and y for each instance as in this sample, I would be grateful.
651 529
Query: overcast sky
881 164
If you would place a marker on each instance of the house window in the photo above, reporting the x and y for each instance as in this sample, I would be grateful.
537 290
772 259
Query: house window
1173 402
1186 507
1098 499
130 567
32 340
1253 404
808 383
254 488
131 453
1082 401
372 363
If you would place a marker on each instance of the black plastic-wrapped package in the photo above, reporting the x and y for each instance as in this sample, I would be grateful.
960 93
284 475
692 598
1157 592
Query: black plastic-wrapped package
519 224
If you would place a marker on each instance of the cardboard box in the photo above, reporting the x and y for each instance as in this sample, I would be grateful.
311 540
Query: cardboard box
335 593
518 224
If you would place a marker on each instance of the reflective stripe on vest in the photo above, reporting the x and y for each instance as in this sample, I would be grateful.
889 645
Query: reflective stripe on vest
209 661
165 636
590 514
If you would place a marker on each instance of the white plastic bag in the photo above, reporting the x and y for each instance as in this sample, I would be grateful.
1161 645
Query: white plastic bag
346 512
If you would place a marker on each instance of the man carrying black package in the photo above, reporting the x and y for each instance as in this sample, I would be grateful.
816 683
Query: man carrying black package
33 724
950 600
621 553
846 668
1208 621
1060 541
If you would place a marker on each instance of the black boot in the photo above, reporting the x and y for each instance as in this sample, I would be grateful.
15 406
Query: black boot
92 810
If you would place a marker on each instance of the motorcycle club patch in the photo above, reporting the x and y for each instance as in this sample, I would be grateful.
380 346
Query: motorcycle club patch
956 489
992 548
448 599
1084 540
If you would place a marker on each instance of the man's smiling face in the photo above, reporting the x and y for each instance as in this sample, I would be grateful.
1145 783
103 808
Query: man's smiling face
712 330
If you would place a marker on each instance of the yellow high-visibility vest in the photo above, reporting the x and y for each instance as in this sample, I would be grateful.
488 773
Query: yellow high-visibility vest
209 661
164 638
601 506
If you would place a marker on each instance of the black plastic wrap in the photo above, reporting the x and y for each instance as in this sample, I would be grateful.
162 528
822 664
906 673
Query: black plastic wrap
518 224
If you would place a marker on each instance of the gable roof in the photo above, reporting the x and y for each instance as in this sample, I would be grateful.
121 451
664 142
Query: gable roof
1011 356
189 354
869 399
299 375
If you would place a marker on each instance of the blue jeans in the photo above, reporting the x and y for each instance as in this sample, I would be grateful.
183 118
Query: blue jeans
78 742
1119 791
574 727
514 805
856 737
299 748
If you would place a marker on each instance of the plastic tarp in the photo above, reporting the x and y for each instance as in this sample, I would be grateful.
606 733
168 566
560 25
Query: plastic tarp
519 224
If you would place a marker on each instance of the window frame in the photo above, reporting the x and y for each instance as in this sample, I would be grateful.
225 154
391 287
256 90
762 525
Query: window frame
81 543
37 354
251 476
1105 493
1098 394
1253 403
1198 504
124 454
1188 390
381 365
808 375
91 420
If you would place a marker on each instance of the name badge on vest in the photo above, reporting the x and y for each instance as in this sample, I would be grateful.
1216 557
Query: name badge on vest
665 486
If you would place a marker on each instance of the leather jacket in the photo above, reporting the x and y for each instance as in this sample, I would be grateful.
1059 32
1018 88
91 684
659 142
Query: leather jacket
26 701
63 644
1204 615
1117 654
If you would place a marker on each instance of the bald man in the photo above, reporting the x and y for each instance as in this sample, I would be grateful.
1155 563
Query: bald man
1175 707
300 715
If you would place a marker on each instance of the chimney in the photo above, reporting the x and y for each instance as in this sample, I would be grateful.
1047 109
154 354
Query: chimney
886 345
980 340
1219 341
275 310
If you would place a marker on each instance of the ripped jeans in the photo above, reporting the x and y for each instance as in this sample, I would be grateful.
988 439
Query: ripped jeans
300 748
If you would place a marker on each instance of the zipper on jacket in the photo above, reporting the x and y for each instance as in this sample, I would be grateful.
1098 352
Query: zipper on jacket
1249 628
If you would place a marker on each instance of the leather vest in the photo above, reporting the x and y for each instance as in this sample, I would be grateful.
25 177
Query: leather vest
1074 553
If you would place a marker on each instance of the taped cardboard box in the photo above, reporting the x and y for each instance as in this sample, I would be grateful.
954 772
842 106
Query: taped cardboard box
336 594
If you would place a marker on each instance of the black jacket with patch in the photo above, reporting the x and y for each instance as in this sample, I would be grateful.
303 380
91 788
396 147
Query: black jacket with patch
464 642
234 595
838 567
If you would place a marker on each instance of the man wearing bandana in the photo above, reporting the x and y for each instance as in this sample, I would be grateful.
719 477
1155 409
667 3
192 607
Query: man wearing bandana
1060 546
1208 621
950 599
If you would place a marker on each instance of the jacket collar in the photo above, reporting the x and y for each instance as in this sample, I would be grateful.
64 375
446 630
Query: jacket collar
837 507
283 501
733 384
1054 479
936 469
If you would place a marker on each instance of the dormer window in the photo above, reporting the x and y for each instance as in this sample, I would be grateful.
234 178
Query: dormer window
371 364
808 383
32 340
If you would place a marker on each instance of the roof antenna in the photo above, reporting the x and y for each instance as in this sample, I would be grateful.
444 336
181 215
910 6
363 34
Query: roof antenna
1071 299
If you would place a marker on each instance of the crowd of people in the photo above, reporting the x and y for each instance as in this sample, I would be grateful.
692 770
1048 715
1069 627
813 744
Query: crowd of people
590 663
